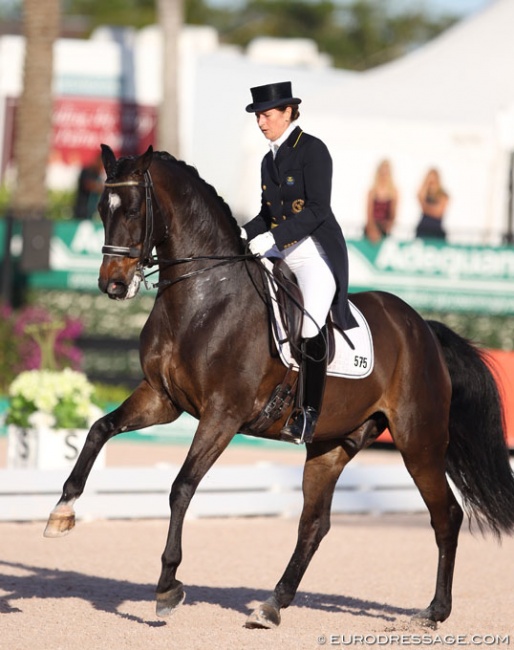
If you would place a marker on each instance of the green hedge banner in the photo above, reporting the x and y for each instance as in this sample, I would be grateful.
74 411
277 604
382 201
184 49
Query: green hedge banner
426 274
437 276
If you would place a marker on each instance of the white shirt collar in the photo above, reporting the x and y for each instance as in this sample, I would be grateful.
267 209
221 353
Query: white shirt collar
274 146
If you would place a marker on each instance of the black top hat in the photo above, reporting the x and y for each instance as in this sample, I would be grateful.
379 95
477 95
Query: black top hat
272 96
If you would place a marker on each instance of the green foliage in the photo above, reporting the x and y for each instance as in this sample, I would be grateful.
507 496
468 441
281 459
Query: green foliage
60 399
5 199
20 409
106 395
9 353
59 203
101 317
98 315
493 332
66 414
122 13
357 35
30 336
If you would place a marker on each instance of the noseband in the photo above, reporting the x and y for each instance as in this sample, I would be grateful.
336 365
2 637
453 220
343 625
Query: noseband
144 255
146 259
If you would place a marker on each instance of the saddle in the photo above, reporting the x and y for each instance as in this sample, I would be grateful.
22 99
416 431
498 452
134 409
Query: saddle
290 304
285 291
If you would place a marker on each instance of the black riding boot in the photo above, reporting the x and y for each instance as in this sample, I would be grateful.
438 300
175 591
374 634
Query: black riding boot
302 422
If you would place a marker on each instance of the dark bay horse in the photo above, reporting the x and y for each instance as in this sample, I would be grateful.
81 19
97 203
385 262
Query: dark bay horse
206 350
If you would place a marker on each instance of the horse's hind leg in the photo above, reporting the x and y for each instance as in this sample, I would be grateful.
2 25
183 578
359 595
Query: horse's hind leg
427 468
325 462
143 408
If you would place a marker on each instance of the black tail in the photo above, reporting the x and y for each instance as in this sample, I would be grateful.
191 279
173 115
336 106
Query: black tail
478 458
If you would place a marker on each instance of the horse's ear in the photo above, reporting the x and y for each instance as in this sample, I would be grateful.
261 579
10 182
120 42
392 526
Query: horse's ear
145 160
108 159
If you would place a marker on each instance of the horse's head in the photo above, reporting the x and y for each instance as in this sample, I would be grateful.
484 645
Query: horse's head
125 209
191 219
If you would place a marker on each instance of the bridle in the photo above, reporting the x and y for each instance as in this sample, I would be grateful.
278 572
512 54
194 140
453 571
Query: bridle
147 260
145 254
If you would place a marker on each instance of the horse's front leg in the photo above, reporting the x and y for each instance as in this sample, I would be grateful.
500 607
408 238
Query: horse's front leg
143 408
211 439
324 464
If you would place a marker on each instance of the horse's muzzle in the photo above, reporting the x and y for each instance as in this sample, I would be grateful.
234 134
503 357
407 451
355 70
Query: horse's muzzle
113 288
118 289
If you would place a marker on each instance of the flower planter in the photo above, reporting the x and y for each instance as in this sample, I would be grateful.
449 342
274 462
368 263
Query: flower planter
45 448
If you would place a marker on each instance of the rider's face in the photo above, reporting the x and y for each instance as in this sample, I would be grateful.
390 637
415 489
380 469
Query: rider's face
274 122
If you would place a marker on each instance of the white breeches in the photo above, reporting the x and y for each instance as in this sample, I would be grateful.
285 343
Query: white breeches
308 262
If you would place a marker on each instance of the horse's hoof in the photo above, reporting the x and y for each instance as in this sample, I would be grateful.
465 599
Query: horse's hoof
59 524
425 618
266 617
169 601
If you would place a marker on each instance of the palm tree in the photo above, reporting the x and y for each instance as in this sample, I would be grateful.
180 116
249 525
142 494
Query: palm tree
171 17
41 23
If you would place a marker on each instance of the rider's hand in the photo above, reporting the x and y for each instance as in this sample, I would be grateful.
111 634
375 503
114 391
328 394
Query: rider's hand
262 243
243 234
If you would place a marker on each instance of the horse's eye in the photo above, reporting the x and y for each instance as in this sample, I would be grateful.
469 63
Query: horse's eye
132 214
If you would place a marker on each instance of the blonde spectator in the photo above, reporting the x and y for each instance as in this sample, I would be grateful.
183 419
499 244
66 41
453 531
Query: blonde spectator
433 200
382 202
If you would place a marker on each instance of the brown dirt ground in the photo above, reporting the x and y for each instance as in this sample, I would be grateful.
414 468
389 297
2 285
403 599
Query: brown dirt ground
94 589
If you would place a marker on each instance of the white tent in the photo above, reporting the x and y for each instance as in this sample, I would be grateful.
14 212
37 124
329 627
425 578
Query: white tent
449 104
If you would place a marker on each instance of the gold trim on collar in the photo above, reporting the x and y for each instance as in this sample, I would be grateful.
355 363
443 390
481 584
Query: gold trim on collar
298 139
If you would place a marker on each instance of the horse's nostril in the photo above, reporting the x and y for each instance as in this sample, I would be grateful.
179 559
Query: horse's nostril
116 288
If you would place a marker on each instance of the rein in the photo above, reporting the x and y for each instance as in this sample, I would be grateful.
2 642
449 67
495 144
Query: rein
146 259
221 259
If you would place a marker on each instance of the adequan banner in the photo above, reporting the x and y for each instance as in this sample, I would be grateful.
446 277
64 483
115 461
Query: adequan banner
426 274
433 275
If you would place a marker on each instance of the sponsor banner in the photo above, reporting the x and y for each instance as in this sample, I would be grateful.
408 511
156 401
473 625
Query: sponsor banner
81 124
432 275
427 275
75 257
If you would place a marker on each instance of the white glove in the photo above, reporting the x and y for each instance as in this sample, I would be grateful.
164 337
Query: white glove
243 234
262 243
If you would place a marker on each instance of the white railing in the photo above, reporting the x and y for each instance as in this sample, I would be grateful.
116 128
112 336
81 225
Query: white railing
227 491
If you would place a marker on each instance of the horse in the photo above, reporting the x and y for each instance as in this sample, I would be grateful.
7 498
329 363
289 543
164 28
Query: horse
206 349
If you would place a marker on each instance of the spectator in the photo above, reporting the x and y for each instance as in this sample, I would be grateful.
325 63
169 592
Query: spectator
433 200
382 201
89 188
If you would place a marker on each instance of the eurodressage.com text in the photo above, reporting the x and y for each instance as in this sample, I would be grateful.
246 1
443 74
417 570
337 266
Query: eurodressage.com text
413 639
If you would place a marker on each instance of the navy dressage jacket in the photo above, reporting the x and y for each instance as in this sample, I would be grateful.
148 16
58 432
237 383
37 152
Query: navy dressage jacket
295 203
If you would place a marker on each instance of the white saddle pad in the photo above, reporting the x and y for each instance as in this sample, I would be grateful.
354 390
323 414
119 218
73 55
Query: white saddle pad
350 362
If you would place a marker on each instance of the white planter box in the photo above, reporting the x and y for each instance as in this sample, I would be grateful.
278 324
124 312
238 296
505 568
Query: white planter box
44 448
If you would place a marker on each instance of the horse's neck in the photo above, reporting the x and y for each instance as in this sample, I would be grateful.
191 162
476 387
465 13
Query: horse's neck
205 232
198 221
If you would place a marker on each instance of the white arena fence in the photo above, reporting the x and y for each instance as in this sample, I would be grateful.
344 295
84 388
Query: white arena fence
262 489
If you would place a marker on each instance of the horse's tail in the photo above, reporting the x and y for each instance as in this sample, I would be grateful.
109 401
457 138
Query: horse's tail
477 457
